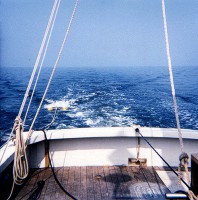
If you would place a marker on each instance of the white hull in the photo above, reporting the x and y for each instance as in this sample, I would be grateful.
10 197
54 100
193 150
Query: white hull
105 146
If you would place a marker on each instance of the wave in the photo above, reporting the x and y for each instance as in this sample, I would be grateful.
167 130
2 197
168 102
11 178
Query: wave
188 99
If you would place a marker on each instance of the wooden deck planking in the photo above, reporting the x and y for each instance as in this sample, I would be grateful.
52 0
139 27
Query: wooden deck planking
58 191
89 178
83 186
119 187
64 182
70 183
134 176
97 183
103 184
77 182
152 174
108 181
127 181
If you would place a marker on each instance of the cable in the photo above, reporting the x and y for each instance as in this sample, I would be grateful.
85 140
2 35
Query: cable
55 177
53 119
138 131
47 143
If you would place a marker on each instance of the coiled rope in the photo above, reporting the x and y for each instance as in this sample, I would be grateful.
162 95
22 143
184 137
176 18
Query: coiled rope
20 169
20 166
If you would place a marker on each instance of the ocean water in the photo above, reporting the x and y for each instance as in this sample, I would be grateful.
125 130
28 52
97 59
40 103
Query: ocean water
102 96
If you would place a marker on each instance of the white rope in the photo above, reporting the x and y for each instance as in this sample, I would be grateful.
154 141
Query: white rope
33 72
20 169
38 58
55 65
36 63
191 194
43 58
20 166
171 76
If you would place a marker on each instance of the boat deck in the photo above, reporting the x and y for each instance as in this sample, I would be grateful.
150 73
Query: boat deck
94 183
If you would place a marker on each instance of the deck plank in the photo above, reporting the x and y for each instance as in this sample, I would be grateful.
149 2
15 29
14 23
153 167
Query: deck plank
127 181
58 191
31 185
89 178
77 182
46 175
103 184
109 182
83 189
152 175
97 183
64 182
70 183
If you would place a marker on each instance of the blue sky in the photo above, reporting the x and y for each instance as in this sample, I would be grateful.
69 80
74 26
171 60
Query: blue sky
104 32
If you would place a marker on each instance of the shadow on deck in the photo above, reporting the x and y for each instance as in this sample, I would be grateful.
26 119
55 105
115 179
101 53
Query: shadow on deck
95 183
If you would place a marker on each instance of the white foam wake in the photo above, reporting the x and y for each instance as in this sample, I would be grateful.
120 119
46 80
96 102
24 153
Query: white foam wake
57 104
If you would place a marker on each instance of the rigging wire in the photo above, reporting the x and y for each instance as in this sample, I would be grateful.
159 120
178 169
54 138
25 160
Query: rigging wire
33 72
38 57
54 68
17 174
184 156
20 170
42 61
20 167
171 76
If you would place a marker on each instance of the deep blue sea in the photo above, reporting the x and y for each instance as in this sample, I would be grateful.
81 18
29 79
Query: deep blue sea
106 96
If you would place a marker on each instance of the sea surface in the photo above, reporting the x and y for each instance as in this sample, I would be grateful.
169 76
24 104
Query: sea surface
102 97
